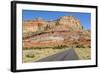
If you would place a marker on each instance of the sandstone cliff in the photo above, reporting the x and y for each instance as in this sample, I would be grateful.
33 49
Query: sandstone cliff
63 23
65 31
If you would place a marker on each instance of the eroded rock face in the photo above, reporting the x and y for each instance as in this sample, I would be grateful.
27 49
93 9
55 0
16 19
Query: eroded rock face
63 23
65 31
64 38
70 22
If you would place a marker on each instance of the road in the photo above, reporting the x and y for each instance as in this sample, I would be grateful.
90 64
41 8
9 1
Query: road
65 55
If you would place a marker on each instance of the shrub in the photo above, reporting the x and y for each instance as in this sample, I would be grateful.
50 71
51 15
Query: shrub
60 47
25 48
80 46
30 55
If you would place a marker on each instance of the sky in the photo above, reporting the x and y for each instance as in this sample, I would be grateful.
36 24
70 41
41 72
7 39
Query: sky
53 15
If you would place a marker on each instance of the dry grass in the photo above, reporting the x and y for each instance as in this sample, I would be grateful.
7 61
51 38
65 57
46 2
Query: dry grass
33 55
83 53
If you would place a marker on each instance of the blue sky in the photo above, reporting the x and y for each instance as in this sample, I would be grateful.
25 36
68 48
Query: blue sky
53 15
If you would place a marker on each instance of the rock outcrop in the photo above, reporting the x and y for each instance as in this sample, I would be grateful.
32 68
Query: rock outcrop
65 31
63 23
70 22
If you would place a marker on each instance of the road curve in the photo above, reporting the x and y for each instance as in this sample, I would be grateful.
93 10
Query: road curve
65 55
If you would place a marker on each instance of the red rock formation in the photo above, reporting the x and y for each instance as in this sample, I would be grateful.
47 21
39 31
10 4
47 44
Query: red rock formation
66 31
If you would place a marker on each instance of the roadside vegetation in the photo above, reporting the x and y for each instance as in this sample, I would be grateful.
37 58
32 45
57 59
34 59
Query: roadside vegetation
83 53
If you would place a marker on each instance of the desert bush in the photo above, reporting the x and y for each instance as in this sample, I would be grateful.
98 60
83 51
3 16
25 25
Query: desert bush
59 47
25 48
30 55
89 46
80 46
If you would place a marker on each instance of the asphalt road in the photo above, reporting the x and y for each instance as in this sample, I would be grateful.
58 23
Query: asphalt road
65 55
